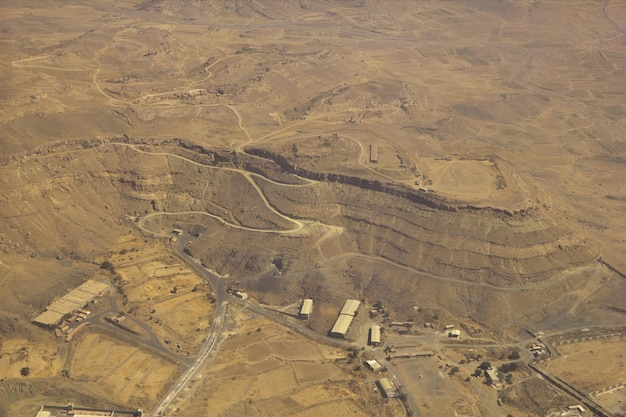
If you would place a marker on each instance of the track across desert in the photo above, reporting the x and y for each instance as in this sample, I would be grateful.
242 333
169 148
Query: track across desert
443 182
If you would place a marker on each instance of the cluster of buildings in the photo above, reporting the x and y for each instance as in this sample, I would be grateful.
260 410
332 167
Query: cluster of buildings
71 303
71 411
538 350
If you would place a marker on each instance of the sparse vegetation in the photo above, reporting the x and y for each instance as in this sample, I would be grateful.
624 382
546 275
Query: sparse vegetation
510 367
108 266
115 132
514 355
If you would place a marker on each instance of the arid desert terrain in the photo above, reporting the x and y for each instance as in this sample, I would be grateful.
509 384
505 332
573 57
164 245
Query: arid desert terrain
455 167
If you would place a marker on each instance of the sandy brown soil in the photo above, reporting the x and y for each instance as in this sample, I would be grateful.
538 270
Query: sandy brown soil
262 368
126 373
532 395
276 105
164 293
42 358
591 365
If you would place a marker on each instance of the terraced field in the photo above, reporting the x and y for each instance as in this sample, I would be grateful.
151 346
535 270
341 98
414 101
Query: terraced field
494 200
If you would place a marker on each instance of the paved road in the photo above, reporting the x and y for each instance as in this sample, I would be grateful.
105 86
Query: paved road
222 301
149 340
214 334
191 371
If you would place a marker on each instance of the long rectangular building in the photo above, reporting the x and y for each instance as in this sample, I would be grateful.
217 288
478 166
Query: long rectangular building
386 387
306 309
350 307
71 410
341 326
70 302
373 153
375 336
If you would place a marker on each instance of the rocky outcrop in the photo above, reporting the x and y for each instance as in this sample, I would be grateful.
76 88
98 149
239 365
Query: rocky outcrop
427 199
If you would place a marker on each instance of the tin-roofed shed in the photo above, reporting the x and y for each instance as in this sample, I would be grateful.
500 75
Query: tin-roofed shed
306 309
350 307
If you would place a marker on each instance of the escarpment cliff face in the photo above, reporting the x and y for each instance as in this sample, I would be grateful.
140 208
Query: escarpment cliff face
474 245
359 182
102 186
357 237
435 235
421 197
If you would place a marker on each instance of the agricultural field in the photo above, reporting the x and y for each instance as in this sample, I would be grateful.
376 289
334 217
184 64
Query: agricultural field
262 368
591 365
455 163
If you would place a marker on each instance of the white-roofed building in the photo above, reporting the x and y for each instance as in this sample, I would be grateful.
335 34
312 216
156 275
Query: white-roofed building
375 336
350 307
387 389
306 309
491 375
456 333
341 326
374 365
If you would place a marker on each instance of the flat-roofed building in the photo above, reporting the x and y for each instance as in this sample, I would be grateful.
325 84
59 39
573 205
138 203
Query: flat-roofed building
386 388
64 306
373 153
374 365
71 410
49 318
306 309
350 307
70 302
578 408
96 288
491 375
375 335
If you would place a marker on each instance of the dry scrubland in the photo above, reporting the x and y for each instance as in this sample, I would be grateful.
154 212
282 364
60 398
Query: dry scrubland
123 372
264 369
249 125
163 293
584 364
